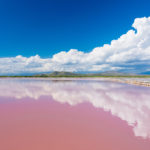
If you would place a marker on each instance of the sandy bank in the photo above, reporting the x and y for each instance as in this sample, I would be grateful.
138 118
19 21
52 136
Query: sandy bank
134 81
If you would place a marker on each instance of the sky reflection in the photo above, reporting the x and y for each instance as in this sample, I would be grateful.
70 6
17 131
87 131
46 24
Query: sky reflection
128 102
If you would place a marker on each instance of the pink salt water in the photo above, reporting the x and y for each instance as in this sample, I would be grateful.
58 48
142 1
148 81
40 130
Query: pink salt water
41 114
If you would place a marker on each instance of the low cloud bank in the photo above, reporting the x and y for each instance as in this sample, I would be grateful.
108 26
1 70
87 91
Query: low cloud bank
130 52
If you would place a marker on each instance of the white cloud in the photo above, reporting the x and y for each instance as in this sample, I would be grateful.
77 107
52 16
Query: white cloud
129 52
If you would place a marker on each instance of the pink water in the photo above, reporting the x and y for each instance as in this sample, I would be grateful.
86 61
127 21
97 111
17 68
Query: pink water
39 114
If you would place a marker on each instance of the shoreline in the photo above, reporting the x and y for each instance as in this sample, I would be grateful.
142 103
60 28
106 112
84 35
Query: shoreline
128 80
134 81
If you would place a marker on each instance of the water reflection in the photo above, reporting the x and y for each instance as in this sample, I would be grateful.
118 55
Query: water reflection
129 103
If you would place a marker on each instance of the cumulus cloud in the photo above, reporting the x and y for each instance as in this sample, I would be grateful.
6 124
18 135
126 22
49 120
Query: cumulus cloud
130 52
129 103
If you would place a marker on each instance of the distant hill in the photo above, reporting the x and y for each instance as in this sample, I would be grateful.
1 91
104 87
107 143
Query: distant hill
71 74
115 73
58 74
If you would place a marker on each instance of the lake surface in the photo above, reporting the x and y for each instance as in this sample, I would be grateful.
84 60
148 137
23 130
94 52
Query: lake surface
73 114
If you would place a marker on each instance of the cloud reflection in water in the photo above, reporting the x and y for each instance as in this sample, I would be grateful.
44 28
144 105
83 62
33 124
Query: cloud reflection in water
129 103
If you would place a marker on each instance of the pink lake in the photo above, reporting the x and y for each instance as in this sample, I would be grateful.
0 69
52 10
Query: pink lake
73 114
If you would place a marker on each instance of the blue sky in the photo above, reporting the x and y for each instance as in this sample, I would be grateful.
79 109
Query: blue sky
45 27
48 27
